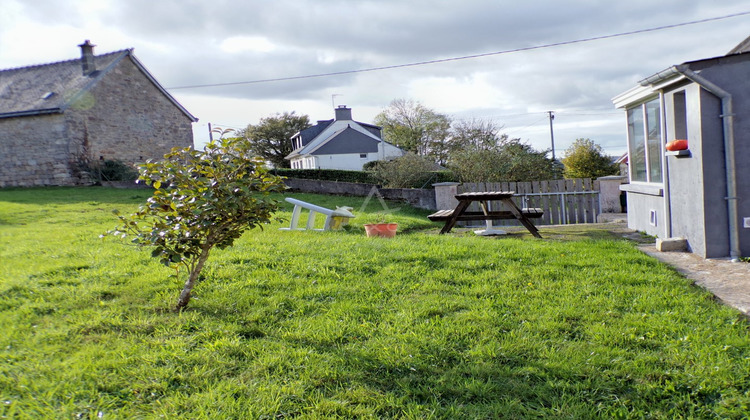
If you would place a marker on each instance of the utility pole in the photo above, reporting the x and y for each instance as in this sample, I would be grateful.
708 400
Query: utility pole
551 132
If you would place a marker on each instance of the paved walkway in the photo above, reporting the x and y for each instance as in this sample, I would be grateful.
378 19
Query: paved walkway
728 281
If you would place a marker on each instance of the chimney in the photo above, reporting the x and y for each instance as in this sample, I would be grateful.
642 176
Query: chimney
87 58
343 113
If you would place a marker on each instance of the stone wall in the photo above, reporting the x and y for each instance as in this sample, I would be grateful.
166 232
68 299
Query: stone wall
34 151
124 117
128 118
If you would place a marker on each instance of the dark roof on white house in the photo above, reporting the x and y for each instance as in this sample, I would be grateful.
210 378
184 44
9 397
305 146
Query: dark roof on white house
52 88
310 133
341 135
347 140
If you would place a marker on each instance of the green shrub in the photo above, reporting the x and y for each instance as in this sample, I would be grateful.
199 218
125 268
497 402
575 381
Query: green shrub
113 170
408 171
371 165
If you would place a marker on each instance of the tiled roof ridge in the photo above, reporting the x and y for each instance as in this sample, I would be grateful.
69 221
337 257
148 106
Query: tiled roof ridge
34 66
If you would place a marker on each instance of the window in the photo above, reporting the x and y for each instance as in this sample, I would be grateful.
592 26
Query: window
644 141
363 155
680 116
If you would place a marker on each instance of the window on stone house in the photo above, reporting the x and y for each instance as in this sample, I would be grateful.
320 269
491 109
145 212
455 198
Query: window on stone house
645 141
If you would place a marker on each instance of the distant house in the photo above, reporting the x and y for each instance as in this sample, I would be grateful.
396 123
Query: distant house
57 118
622 164
701 194
341 143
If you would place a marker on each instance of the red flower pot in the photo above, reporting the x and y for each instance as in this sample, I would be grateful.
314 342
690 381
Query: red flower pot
385 230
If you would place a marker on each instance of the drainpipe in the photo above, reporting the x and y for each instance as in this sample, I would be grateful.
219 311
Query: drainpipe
665 175
727 116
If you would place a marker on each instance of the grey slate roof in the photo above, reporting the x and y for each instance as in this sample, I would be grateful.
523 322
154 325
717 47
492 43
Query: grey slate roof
337 136
347 140
52 88
309 133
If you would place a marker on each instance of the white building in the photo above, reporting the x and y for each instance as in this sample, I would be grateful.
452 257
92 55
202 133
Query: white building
341 143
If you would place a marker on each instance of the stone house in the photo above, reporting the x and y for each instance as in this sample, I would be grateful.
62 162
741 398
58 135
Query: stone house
341 143
698 197
56 119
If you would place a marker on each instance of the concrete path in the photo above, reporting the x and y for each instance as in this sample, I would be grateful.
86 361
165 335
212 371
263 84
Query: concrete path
728 281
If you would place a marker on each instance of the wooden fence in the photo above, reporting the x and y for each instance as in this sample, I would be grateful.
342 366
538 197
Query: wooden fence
564 201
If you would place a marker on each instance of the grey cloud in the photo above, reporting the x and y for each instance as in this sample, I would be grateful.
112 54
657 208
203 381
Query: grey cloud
187 33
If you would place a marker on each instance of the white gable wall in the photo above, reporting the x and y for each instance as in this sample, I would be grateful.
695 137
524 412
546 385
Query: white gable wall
346 161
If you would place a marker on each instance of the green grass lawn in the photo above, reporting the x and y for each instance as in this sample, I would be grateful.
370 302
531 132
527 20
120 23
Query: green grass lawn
337 325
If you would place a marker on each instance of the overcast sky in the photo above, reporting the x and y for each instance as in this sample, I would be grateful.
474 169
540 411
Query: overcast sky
195 42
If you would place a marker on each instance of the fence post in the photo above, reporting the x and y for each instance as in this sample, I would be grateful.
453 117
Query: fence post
445 195
609 193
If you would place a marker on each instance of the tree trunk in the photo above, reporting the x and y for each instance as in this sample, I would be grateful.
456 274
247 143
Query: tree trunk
184 298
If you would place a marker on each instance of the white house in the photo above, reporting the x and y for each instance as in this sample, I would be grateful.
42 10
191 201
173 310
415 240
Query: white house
341 143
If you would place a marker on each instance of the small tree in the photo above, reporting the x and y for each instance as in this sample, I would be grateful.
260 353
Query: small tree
271 137
415 128
201 200
510 160
585 159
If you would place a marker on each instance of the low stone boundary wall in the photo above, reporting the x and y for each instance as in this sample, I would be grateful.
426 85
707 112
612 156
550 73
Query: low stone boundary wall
420 198
327 187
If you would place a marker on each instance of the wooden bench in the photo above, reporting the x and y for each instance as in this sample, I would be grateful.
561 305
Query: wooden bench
443 215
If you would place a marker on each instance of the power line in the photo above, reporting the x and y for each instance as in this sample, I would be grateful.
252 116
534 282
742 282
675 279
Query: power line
466 57
495 117
586 114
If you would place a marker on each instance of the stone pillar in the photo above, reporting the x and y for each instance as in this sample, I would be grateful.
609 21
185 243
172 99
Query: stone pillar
609 193
445 195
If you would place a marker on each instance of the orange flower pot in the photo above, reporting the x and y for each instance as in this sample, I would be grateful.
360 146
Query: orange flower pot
676 145
384 230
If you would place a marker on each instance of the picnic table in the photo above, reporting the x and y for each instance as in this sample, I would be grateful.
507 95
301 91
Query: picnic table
483 198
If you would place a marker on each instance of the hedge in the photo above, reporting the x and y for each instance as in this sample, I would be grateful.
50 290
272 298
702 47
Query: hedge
328 175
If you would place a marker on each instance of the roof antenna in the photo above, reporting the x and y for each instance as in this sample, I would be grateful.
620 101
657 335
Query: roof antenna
333 105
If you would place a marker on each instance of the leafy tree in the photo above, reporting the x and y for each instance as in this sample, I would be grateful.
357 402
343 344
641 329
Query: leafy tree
201 200
407 171
524 163
585 159
271 137
510 160
415 128
476 134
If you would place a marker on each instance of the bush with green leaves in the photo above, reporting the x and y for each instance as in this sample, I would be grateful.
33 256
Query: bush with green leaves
339 175
407 171
115 170
201 200
511 160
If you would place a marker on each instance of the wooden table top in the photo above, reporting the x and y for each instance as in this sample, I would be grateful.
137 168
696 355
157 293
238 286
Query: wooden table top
485 195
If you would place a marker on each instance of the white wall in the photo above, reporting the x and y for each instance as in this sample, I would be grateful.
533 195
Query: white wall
349 161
